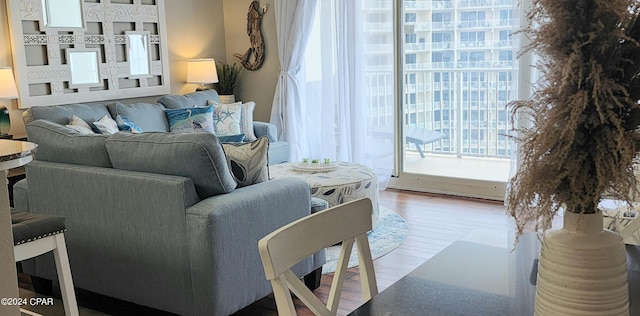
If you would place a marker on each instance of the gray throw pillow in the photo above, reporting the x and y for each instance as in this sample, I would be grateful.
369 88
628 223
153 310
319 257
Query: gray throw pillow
248 161
198 156
189 100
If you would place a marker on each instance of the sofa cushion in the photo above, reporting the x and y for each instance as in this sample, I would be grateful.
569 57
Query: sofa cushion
189 100
150 117
248 161
191 120
198 156
61 114
58 143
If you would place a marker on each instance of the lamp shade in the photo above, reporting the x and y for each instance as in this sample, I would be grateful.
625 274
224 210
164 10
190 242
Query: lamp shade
202 71
8 85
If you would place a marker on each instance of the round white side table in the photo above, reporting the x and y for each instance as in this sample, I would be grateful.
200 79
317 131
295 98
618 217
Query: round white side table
13 154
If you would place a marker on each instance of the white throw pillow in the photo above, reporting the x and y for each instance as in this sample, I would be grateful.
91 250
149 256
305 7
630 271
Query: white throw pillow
79 125
226 119
246 118
106 125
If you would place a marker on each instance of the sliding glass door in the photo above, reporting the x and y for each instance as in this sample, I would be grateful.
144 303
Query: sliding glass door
459 72
430 78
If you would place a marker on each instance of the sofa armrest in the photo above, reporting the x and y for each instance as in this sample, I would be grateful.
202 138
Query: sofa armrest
117 219
20 195
266 129
231 224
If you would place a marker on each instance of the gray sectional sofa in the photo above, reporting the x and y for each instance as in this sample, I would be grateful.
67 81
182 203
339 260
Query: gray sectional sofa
181 239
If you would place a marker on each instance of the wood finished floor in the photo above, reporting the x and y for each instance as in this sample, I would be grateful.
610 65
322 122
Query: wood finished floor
435 222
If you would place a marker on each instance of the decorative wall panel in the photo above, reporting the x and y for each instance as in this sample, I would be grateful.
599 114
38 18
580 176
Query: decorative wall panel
128 38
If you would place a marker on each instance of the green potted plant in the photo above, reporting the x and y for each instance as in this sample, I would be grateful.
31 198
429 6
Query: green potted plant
581 145
227 81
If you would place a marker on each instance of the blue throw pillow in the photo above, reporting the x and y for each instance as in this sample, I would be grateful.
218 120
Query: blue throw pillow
124 124
231 138
190 119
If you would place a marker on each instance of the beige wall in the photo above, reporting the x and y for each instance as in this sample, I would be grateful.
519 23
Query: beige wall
195 28
259 85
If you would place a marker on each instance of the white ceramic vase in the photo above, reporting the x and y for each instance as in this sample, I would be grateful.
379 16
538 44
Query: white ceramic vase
227 99
582 270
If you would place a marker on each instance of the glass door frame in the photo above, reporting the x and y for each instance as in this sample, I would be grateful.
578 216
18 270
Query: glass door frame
492 190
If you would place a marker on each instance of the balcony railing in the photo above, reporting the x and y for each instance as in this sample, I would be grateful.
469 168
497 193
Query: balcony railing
473 114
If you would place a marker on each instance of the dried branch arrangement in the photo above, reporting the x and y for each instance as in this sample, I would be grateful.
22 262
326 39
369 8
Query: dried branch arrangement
584 138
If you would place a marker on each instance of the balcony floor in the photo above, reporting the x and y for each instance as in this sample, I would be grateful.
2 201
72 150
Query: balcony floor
484 169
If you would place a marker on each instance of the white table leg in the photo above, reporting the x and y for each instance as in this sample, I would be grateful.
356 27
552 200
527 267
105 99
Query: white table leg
8 280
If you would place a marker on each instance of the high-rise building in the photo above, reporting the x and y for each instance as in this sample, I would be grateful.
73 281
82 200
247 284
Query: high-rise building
459 73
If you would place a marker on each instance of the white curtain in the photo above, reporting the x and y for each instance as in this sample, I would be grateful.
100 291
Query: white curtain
293 25
340 85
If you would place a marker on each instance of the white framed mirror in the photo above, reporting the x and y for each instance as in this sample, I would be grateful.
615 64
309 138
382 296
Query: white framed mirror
62 14
138 54
84 66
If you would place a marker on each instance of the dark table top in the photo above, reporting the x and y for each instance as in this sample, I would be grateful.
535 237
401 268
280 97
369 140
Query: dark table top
481 275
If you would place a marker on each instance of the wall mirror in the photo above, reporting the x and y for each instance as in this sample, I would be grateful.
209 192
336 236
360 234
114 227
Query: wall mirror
84 65
72 51
138 54
62 14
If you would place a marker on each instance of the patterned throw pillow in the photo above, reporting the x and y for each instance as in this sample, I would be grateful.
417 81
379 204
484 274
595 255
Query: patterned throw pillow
246 118
79 125
190 119
248 161
124 124
226 119
106 125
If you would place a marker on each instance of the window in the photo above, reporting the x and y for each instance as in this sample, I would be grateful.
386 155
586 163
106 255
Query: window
506 14
471 56
410 58
472 36
410 38
410 17
472 18
440 37
411 98
438 57
441 17
410 79
504 76
505 35
505 55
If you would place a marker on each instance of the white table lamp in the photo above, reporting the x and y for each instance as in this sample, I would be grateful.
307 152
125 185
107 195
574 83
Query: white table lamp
202 71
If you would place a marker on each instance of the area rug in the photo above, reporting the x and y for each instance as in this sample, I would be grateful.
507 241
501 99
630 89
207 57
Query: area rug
390 233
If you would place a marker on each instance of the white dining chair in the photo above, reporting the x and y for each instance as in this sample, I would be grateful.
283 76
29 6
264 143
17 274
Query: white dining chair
283 248
37 234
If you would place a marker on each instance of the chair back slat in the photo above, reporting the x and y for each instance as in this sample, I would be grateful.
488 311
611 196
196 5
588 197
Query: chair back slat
282 249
